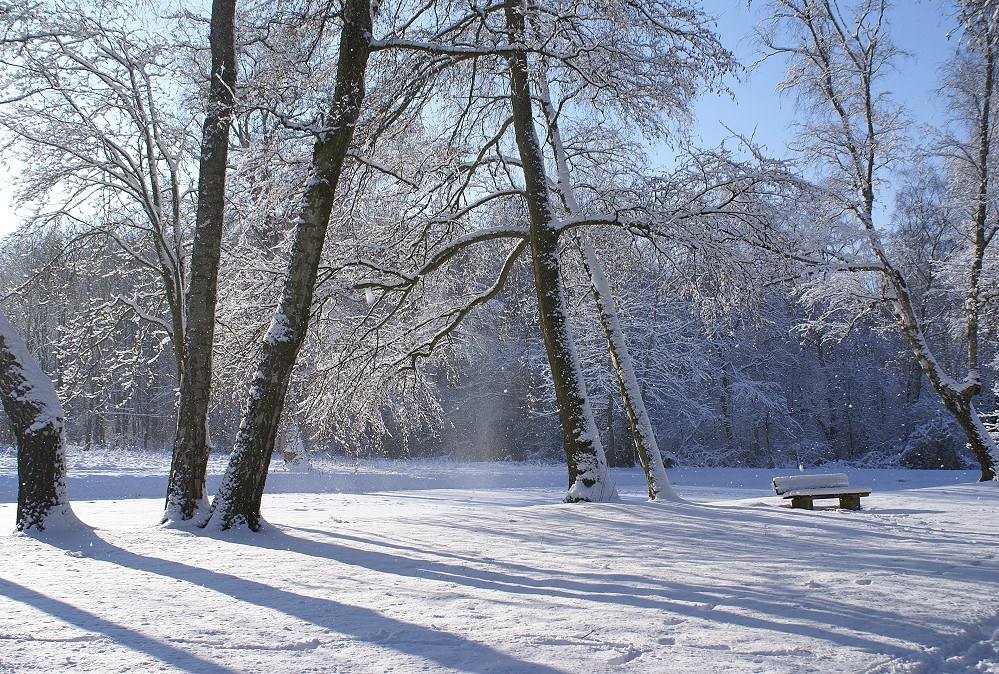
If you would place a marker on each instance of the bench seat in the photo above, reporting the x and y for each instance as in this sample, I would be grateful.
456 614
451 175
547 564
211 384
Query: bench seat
828 492
803 489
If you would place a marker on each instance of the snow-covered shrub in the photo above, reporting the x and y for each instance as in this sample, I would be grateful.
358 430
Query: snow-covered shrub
933 445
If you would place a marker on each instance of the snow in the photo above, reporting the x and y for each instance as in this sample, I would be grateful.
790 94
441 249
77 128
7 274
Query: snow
436 566
810 481
819 492
33 387
279 330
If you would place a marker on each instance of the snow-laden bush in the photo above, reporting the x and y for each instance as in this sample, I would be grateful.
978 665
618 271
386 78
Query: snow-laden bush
935 444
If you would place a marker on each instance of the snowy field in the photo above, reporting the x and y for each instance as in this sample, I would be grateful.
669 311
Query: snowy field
448 567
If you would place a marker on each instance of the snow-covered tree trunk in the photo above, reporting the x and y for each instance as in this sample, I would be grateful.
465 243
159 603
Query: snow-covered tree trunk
237 502
957 398
37 420
589 478
186 488
624 370
982 29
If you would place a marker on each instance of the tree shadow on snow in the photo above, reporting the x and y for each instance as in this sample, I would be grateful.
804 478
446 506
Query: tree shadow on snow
820 611
773 611
124 636
443 648
765 544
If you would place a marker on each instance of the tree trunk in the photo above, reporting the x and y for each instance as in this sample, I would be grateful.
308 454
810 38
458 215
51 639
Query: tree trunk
634 404
589 479
36 418
725 398
979 439
611 451
631 393
186 487
237 502
957 398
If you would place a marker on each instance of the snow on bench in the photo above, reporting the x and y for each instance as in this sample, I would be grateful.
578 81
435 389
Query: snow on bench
802 489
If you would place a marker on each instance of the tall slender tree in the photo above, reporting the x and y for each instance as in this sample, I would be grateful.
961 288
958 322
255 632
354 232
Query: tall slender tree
589 479
237 502
186 487
838 58
642 433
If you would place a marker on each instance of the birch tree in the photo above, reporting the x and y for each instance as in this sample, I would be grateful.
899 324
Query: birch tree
837 58
638 418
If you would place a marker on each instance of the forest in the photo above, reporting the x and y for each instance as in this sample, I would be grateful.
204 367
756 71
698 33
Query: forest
425 228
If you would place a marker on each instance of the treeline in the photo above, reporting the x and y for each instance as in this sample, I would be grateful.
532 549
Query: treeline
758 384
412 229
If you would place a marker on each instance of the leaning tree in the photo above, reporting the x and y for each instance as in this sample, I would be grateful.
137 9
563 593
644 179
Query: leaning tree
838 59
237 502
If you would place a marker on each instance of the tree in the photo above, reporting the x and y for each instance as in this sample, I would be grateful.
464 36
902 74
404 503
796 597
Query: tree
237 502
580 48
37 419
642 434
88 110
836 64
186 488
589 479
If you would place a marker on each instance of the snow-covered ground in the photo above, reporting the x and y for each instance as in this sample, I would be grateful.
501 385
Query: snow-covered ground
449 567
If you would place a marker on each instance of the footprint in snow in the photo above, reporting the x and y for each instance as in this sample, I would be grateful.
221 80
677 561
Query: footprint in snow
863 581
627 656
312 644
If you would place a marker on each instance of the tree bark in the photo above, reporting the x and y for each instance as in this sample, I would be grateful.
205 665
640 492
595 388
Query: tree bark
589 479
624 370
37 420
634 404
957 398
979 440
237 502
186 492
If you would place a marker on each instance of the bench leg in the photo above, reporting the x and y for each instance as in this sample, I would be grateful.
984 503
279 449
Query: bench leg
804 502
849 502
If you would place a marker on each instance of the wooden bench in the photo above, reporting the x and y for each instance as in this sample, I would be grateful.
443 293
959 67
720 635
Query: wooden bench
803 489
